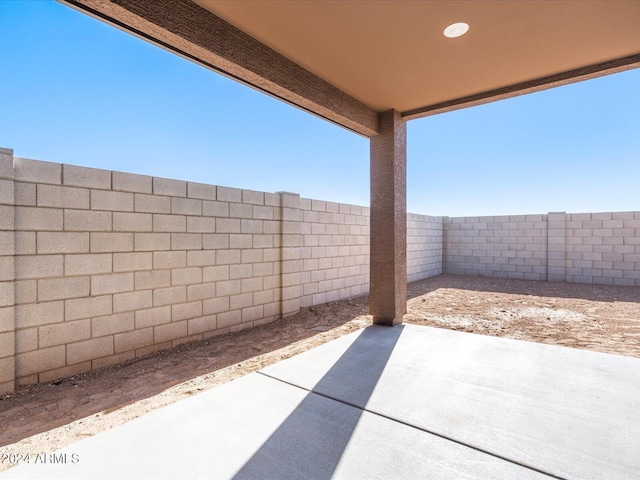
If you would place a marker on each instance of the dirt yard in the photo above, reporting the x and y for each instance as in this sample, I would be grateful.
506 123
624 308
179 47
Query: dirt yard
43 418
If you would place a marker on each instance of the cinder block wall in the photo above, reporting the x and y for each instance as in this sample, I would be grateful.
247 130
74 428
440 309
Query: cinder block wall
98 267
600 248
500 246
104 266
110 266
334 255
424 246
7 248
603 248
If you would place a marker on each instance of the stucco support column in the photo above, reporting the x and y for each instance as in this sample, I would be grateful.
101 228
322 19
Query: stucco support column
388 300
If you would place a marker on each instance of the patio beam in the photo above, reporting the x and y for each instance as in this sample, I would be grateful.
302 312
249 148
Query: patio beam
388 231
192 32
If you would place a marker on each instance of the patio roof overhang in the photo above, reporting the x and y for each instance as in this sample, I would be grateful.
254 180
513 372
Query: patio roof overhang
347 60
371 65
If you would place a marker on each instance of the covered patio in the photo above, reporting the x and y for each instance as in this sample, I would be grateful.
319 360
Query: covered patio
409 401
372 66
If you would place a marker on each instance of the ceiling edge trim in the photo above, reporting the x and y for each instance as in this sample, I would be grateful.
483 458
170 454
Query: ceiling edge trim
531 86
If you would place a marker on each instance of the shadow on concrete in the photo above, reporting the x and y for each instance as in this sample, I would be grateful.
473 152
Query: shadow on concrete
584 291
311 441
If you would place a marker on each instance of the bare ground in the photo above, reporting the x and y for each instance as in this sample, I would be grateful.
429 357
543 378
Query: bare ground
43 418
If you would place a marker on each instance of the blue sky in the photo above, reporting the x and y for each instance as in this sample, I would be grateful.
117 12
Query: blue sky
74 90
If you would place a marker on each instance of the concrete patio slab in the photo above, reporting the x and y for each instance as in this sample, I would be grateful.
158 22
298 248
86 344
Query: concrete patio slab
402 402
569 413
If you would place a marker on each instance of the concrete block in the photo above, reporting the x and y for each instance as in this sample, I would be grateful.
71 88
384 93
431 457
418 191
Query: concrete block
111 242
62 288
169 223
36 171
86 220
152 279
7 244
216 305
62 242
151 242
26 339
201 258
166 186
622 216
186 276
110 360
227 194
6 269
87 264
63 333
86 177
89 349
240 271
124 342
201 291
151 203
201 324
128 262
186 241
130 182
169 296
31 218
263 213
251 314
62 197
132 222
240 240
251 285
262 241
111 201
252 197
130 301
240 210
229 319
272 227
201 190
185 311
40 360
25 243
7 294
6 163
113 283
215 273
110 324
38 266
227 257
251 226
87 307
201 224
228 287
152 317
17 193
215 209
215 241
227 225
163 260
170 331
263 297
186 206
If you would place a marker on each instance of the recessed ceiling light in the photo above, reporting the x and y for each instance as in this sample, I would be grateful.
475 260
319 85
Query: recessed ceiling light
456 30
